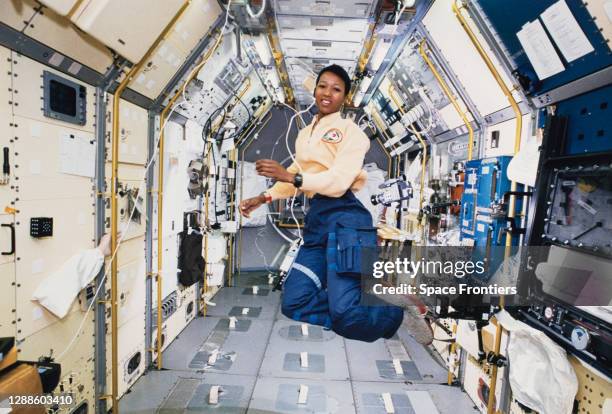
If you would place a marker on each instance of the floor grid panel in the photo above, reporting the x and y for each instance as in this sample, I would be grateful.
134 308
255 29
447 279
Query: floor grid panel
265 363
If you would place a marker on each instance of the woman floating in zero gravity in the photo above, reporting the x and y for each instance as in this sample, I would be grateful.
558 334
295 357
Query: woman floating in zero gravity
328 167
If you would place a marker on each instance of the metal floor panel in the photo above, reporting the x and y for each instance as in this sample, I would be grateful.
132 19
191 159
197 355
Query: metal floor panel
150 391
411 398
371 362
327 362
246 348
430 369
232 298
240 351
181 351
280 395
234 394
252 278
258 366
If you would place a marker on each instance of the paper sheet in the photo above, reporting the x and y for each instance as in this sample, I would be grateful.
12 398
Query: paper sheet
77 155
539 50
566 32
523 168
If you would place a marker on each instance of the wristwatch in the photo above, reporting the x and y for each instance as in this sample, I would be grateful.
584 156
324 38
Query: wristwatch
267 197
298 180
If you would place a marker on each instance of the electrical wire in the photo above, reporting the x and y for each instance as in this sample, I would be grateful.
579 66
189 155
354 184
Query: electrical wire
124 233
259 12
296 162
140 191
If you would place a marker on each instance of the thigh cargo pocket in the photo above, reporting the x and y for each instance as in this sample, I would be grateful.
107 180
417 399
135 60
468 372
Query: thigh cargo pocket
356 249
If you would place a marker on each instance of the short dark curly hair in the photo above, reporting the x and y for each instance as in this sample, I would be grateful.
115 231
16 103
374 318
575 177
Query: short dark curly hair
340 72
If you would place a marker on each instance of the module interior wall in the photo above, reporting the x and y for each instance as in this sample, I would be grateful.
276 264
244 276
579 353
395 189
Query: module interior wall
40 189
43 190
175 48
463 58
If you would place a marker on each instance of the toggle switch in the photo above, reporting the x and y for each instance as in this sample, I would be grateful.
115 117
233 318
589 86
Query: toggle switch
245 311
232 322
255 290
304 359
304 329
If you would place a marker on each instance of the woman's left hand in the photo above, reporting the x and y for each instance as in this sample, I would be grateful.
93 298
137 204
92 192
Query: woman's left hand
273 169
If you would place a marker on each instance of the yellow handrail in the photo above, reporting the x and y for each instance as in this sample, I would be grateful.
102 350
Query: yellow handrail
162 120
418 136
114 183
512 201
450 97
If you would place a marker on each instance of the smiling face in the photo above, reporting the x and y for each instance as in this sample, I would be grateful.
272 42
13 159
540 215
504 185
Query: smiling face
329 93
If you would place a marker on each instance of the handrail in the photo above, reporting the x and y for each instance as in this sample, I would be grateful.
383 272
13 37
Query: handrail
418 136
113 196
512 201
450 97
162 120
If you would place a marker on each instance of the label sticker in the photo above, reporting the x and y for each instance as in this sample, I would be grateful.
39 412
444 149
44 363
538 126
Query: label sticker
56 59
587 207
75 68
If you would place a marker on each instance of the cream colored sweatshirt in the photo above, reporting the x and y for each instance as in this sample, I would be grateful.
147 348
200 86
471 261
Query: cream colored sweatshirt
330 155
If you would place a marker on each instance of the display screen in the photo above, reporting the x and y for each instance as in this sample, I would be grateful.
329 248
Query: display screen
63 98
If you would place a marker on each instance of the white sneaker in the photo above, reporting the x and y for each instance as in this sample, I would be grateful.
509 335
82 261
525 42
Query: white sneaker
417 325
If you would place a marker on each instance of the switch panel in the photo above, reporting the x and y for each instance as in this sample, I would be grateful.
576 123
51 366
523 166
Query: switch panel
41 227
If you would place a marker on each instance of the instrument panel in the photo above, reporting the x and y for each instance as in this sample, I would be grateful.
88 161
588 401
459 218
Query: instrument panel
580 209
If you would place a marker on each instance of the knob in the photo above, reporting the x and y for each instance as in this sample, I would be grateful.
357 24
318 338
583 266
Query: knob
581 338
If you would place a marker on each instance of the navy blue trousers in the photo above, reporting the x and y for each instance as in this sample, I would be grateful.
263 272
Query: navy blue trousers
314 292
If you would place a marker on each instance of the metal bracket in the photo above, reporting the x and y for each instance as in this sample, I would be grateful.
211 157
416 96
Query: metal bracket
498 360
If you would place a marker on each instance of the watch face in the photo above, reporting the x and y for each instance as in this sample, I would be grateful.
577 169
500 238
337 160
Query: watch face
580 214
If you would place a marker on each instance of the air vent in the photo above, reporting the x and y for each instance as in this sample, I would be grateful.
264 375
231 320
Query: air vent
190 307
321 44
134 363
321 21
320 61
169 306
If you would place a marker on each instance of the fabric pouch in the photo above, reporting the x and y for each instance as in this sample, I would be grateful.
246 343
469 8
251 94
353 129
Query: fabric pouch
356 249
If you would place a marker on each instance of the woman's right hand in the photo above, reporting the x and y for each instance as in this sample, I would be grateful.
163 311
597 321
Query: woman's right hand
250 204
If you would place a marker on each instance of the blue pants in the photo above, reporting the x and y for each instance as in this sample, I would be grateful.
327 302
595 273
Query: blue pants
314 292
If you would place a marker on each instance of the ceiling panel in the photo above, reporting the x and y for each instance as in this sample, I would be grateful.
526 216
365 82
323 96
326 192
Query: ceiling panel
321 49
337 8
322 28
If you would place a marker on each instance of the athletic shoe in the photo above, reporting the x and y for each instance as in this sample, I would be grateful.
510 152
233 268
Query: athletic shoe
417 325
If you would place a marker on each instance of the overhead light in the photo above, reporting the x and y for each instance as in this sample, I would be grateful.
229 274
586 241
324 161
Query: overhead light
379 53
363 88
